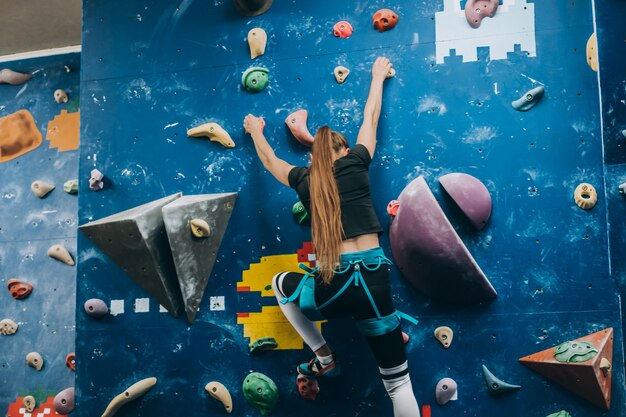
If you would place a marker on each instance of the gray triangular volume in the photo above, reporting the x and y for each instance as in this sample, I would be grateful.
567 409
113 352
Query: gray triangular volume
193 256
136 241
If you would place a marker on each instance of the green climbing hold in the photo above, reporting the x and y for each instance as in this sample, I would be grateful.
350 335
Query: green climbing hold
264 343
561 413
299 212
529 99
255 79
575 352
260 391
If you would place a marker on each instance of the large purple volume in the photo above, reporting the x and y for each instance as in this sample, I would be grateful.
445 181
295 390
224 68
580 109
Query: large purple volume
429 252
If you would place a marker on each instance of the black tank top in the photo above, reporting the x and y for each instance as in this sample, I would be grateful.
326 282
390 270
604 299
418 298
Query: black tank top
351 173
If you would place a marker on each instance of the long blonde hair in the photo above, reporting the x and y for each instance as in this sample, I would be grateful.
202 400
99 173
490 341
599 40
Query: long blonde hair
326 224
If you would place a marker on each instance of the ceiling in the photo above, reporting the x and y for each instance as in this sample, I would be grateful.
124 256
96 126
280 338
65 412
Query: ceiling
33 25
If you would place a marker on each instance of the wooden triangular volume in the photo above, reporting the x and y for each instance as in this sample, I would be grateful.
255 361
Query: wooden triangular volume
588 371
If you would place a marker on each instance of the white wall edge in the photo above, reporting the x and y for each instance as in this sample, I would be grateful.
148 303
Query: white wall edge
41 53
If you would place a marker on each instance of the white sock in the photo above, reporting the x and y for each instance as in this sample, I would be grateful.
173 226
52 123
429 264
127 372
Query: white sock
400 390
325 360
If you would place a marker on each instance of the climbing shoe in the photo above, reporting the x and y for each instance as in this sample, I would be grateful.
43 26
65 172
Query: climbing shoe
314 368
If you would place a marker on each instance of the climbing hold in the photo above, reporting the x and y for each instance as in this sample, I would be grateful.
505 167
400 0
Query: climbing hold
307 387
405 338
592 52
296 122
64 401
19 289
300 213
199 228
477 10
70 361
60 96
495 385
96 308
341 73
41 189
265 343
444 334
19 134
215 133
252 7
385 19
257 40
34 360
529 99
255 79
29 403
61 254
429 252
8 76
218 391
131 393
585 196
426 411
71 187
622 188
445 391
584 378
8 327
624 133
605 366
575 352
561 413
470 195
342 29
391 73
95 182
392 208
260 391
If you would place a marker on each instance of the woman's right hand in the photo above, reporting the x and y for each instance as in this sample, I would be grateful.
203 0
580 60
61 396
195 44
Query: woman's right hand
381 68
253 125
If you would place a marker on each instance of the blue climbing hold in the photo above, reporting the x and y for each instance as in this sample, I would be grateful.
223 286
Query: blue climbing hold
529 99
495 385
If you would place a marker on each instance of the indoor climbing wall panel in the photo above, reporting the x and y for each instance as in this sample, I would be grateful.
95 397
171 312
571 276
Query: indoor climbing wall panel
611 41
168 67
30 225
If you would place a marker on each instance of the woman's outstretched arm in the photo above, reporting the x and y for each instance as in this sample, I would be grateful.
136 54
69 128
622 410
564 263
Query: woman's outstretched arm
276 166
371 114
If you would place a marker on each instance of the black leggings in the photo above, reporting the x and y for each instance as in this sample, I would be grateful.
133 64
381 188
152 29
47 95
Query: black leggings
388 349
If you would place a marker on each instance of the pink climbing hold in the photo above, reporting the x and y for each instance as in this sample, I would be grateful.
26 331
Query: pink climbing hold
307 387
477 10
405 338
342 29
296 122
392 207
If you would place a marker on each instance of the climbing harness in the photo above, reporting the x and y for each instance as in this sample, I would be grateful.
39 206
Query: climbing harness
370 260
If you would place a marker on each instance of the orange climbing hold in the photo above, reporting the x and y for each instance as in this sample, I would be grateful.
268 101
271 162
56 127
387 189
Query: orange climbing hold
18 134
64 131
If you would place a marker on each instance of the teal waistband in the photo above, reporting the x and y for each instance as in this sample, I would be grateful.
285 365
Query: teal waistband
374 257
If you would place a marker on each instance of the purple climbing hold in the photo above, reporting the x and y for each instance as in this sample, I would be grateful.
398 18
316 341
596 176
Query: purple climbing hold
96 308
429 252
470 195
64 401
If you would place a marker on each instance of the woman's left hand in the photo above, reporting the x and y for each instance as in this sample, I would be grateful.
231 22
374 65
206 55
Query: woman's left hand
253 125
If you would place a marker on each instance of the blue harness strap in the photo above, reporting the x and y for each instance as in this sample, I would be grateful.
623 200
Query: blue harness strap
371 260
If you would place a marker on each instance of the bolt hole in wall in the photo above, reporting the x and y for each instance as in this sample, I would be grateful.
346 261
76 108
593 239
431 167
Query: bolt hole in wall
440 103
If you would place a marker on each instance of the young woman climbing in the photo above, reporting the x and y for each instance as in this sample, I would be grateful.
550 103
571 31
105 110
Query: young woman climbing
352 273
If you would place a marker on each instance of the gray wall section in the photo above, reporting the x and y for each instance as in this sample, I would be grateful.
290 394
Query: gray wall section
28 227
154 69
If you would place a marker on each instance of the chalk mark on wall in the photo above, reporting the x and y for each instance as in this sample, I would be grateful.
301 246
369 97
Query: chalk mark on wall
513 24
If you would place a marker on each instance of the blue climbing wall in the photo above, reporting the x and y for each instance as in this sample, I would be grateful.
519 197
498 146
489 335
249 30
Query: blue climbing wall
28 227
152 70
611 41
